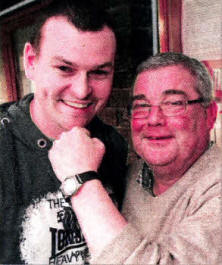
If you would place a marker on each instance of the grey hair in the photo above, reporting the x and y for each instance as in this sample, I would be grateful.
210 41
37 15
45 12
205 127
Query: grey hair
197 69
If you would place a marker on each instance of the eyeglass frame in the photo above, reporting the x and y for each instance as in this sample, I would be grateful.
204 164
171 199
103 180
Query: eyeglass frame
187 102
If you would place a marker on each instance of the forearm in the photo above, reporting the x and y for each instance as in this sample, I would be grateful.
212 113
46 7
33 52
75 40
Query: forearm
98 217
76 152
183 242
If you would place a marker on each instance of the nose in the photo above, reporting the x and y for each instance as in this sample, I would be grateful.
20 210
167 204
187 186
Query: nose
80 86
155 117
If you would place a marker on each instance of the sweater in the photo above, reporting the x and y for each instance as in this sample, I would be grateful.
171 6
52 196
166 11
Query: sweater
37 225
181 226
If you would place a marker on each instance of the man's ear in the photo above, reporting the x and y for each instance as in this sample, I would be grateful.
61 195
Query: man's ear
29 56
211 112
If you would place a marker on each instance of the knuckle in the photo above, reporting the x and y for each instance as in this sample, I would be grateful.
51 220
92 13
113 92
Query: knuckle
99 143
74 131
62 135
79 132
84 131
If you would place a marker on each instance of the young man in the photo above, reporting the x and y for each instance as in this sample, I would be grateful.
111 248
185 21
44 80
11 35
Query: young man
173 215
70 59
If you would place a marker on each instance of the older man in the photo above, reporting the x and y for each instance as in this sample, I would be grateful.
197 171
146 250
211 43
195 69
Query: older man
173 215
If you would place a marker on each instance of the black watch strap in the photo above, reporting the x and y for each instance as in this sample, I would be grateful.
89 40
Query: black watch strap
86 176
71 184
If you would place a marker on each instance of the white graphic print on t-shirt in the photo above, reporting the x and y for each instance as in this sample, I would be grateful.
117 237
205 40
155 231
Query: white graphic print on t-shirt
51 233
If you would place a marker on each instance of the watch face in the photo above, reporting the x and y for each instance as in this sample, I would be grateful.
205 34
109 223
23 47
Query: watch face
69 186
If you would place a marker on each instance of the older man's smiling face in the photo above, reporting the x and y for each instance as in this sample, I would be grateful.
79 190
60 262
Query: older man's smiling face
163 141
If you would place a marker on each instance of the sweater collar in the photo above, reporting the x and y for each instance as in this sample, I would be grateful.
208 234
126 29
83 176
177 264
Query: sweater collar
27 132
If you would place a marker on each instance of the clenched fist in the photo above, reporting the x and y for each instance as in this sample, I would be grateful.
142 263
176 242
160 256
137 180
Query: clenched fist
75 152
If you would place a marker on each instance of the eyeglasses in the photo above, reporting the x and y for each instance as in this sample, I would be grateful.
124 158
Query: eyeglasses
169 108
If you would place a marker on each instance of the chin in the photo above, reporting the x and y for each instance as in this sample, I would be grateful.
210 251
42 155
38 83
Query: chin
156 159
158 163
76 124
69 124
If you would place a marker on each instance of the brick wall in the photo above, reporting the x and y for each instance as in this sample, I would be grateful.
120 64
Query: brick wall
133 23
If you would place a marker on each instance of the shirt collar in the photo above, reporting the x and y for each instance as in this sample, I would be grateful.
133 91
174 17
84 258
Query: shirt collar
145 178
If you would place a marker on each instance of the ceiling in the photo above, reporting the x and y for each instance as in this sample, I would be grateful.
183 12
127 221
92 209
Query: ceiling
8 3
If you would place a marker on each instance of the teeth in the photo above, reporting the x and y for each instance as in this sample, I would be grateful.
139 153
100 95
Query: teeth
76 105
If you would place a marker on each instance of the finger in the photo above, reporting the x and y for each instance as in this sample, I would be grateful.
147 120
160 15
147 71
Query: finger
81 130
99 144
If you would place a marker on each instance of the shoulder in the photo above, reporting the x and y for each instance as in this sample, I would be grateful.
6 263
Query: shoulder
6 130
207 184
210 164
5 119
4 109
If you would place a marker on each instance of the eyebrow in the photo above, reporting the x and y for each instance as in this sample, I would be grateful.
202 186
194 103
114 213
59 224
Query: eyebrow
61 59
174 92
108 64
166 92
138 97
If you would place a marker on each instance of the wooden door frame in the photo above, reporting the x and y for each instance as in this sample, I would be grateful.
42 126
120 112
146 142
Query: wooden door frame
169 14
9 24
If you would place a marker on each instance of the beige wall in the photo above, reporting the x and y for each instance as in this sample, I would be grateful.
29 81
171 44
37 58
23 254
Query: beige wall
3 89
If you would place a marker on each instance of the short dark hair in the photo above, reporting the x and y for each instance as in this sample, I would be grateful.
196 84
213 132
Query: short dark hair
85 15
196 69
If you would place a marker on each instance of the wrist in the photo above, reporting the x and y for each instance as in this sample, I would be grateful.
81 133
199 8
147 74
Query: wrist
88 192
72 184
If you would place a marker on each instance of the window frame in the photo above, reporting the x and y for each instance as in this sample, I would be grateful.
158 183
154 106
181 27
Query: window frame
9 23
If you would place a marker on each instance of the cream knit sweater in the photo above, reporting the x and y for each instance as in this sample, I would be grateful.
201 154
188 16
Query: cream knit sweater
181 226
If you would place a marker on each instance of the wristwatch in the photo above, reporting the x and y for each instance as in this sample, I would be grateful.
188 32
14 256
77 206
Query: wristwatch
71 184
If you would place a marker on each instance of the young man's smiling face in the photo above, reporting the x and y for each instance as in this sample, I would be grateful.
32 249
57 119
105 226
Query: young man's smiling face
72 73
174 141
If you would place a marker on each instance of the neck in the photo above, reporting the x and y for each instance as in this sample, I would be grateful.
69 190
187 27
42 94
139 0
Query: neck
161 184
45 126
